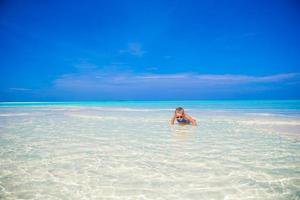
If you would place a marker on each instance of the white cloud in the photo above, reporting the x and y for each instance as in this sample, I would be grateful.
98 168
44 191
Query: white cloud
230 78
86 65
134 49
152 68
99 84
20 89
98 80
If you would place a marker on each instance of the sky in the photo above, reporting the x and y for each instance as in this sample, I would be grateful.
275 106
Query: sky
149 50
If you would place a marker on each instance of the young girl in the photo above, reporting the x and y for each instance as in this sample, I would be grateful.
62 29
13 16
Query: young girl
182 118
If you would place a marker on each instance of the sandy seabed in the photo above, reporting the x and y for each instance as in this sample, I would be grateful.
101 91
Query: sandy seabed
73 152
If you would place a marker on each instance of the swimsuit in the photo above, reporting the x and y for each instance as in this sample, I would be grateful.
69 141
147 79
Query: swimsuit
183 121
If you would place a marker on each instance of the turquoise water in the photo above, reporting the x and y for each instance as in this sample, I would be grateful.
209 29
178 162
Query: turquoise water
288 107
128 150
221 104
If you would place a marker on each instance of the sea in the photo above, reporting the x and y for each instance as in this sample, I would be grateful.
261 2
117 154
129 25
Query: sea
239 150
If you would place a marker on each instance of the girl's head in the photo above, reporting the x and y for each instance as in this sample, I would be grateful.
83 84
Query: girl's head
179 112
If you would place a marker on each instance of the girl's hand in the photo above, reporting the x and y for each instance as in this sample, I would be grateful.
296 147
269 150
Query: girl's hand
193 121
173 119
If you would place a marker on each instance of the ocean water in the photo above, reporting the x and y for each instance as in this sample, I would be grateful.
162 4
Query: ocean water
128 150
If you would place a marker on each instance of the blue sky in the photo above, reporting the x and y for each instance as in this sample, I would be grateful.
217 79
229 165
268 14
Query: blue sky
149 50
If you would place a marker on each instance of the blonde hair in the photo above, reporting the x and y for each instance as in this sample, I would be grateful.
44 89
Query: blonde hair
179 109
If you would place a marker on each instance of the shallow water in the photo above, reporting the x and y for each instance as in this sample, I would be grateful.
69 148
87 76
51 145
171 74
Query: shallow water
92 152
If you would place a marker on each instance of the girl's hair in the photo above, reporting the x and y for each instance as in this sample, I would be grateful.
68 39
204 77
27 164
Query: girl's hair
179 109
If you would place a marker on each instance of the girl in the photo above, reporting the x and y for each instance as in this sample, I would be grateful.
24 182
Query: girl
182 118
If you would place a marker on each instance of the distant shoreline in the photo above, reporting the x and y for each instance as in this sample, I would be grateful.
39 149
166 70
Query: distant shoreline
207 100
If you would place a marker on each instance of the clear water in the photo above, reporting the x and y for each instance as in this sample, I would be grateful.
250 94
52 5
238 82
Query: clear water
128 150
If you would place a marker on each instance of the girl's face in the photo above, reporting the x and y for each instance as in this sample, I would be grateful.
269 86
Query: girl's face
179 114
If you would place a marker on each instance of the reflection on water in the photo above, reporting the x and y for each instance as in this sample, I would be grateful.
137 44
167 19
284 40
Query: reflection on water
183 133
84 153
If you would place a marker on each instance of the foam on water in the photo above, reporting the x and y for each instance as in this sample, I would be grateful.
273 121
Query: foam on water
93 153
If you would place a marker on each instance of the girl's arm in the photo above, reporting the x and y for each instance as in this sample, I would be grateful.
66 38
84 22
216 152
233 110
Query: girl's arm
173 119
193 121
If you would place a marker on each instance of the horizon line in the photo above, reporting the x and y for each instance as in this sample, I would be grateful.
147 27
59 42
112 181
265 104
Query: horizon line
91 101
